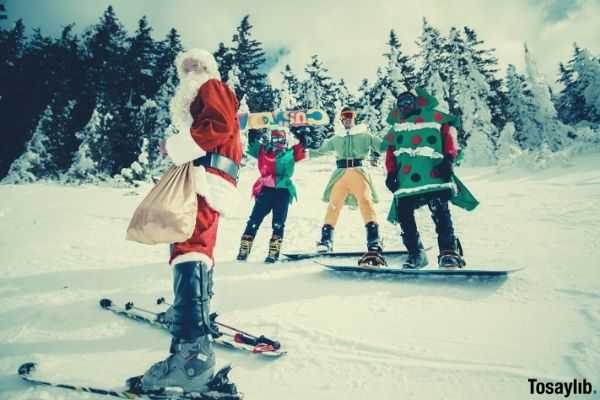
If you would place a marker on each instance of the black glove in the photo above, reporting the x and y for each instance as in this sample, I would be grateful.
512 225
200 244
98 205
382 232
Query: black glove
445 169
391 182
264 138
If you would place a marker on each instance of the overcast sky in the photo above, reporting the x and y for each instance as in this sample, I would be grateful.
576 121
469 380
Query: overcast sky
349 36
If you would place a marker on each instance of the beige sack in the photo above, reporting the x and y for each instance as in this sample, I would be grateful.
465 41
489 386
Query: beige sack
168 213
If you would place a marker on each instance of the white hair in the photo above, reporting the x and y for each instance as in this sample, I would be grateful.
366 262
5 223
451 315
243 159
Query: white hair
204 58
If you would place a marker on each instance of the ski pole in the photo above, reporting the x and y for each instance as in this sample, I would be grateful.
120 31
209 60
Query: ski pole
259 339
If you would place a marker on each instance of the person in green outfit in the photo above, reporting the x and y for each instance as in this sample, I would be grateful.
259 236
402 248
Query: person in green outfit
350 184
421 149
273 190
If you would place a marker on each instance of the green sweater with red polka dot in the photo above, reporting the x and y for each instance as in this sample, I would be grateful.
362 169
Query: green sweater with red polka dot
416 145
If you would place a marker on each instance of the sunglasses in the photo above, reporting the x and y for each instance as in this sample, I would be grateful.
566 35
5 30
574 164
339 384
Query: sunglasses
348 114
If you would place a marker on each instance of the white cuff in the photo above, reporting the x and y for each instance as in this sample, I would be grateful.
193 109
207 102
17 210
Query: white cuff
194 257
182 148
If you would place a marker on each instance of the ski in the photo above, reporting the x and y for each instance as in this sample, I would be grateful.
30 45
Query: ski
229 336
220 388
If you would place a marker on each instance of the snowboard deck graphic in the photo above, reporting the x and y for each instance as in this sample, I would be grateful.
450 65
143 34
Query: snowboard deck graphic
274 119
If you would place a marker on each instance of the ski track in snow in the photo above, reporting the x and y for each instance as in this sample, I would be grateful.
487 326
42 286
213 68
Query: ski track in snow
348 336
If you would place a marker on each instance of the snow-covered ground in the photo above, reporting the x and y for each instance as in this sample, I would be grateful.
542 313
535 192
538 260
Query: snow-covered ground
348 337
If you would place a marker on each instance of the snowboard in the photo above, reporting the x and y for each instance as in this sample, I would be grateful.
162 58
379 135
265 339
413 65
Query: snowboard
339 254
427 271
274 119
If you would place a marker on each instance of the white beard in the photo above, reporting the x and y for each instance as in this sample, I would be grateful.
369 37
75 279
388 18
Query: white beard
186 92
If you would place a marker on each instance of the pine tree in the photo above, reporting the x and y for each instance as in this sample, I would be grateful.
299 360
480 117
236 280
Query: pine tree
431 54
344 97
60 133
70 104
587 84
433 58
469 92
233 79
249 57
367 114
225 59
550 130
142 57
36 162
14 89
400 71
487 64
508 150
91 161
570 103
168 49
520 107
289 94
319 88
106 47
3 15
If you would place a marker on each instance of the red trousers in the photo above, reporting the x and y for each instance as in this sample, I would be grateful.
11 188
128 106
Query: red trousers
204 238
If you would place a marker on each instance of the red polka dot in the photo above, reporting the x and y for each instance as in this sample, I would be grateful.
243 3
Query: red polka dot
418 120
422 101
390 138
416 139
434 173
406 169
395 114
438 116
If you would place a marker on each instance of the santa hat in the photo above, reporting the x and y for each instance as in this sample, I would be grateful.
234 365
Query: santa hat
204 59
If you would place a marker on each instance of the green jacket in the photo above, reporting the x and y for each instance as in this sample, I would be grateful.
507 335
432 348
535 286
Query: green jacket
350 144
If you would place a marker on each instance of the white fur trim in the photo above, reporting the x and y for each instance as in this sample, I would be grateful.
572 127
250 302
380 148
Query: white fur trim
193 257
355 130
449 185
221 195
419 151
182 148
410 126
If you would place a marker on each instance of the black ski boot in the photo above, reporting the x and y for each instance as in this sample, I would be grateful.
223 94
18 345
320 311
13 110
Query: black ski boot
416 252
191 363
274 249
451 254
245 247
372 258
325 245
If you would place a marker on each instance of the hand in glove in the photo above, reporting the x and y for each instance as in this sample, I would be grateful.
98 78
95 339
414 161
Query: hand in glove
391 182
445 169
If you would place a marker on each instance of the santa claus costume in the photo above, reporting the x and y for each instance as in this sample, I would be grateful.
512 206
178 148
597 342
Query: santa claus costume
204 111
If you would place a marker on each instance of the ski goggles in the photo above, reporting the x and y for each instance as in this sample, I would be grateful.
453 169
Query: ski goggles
405 101
347 115
278 139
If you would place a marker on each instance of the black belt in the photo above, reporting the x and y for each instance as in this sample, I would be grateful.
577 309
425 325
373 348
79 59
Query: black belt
349 163
222 163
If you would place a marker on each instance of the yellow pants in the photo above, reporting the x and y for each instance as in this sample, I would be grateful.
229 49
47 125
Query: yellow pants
352 182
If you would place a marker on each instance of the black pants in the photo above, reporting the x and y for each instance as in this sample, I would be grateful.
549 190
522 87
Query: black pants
440 213
269 199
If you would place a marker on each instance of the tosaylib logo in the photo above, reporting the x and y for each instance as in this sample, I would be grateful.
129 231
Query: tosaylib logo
565 389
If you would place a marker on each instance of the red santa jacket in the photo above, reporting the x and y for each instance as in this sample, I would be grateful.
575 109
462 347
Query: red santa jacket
215 129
